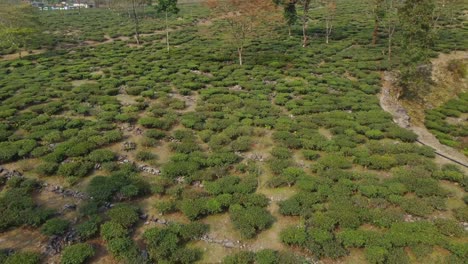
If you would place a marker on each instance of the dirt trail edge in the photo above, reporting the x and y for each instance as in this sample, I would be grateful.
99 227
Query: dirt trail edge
390 104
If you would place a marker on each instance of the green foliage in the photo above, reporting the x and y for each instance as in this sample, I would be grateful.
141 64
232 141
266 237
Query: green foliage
77 253
55 226
250 220
376 255
168 244
112 230
17 208
23 258
89 228
124 215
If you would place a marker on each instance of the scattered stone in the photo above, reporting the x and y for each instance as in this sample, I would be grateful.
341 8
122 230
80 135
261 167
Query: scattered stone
128 146
180 179
143 216
69 207
7 174
465 226
270 82
56 243
148 169
236 87
256 157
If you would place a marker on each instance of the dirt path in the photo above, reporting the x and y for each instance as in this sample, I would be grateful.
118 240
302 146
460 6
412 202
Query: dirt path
15 56
390 104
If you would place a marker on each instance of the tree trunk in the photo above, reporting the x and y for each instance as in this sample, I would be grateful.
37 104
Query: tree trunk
239 52
135 17
289 30
167 34
305 20
327 31
79 7
304 35
390 36
375 33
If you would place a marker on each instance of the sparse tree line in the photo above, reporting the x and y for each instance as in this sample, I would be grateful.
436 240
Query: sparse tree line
416 23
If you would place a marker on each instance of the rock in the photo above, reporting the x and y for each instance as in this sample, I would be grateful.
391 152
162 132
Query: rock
236 88
228 244
143 216
128 146
69 207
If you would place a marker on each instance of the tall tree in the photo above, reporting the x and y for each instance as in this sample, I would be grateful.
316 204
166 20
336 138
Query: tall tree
18 24
389 21
246 19
417 31
330 13
378 12
305 20
289 12
133 9
167 7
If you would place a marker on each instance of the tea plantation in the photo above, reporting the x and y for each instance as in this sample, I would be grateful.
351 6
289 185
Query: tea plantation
117 152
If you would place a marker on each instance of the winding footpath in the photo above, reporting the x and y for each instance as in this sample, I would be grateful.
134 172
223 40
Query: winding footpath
390 104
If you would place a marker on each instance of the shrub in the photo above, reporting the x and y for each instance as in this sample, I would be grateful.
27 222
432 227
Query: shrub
124 215
166 207
281 153
145 156
89 228
23 258
449 227
111 230
55 226
402 134
168 244
416 207
18 208
101 155
374 134
461 213
77 253
124 249
250 220
245 257
155 134
47 168
376 255
310 154
293 236
75 169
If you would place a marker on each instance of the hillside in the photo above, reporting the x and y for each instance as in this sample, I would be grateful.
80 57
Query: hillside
113 151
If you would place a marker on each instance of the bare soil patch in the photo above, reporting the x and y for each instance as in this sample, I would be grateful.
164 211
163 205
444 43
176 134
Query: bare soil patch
413 118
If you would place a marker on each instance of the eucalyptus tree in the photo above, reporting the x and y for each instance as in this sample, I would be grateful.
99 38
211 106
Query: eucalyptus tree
167 7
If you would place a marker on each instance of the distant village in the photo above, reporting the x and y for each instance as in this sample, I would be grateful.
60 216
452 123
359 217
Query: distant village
62 5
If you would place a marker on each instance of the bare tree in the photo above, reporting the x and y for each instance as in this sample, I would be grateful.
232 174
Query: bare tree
389 20
305 20
330 13
132 8
167 7
246 19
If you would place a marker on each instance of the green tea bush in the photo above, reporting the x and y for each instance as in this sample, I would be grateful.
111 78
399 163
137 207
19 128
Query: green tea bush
77 253
250 220
55 226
